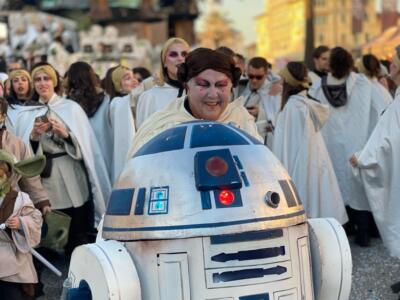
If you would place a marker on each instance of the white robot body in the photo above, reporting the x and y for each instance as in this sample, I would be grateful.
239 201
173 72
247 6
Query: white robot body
205 212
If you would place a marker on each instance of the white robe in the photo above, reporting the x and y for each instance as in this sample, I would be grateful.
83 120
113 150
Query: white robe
381 98
379 171
73 115
155 99
299 145
268 106
346 131
114 126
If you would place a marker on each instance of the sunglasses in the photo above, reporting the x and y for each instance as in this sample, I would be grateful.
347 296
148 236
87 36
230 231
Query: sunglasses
176 54
258 77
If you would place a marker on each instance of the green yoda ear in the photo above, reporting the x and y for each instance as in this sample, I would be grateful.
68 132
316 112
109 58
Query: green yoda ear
30 167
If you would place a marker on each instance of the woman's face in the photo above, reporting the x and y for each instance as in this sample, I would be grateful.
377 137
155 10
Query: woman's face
394 73
20 86
44 86
176 55
209 94
128 82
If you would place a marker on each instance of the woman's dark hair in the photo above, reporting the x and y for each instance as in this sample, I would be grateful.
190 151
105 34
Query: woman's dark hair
299 71
58 89
82 86
371 63
341 63
144 73
108 85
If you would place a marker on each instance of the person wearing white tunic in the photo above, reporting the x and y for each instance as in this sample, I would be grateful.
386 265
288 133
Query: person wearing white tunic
299 145
377 165
111 121
261 97
209 77
370 66
348 128
75 171
168 87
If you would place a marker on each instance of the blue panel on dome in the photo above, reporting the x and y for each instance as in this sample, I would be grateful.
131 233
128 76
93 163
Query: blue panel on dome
250 137
213 134
120 202
205 181
168 140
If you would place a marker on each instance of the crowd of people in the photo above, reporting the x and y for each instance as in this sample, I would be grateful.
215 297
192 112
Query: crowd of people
334 128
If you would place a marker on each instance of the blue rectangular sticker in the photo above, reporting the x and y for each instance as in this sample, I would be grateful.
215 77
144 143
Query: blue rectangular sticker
159 197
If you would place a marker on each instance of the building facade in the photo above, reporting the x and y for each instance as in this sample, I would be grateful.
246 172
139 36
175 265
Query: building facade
352 24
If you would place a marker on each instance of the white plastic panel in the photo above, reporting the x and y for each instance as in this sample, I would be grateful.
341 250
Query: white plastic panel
173 276
256 280
212 250
305 269
331 260
286 295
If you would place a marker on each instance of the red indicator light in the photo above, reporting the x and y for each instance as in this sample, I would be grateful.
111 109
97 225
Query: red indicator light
216 166
226 197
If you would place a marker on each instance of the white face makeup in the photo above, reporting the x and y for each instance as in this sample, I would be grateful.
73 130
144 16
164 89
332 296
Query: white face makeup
44 86
176 55
209 94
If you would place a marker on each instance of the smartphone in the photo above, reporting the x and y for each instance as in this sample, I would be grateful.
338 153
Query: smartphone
43 119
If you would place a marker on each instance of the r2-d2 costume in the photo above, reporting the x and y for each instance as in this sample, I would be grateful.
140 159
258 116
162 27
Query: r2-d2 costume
203 211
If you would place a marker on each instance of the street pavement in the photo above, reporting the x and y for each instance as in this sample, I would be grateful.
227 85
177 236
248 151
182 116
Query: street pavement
374 271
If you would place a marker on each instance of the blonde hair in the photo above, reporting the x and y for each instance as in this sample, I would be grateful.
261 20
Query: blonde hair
167 45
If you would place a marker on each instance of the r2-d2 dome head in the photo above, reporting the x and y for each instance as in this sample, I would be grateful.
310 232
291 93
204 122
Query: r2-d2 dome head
201 179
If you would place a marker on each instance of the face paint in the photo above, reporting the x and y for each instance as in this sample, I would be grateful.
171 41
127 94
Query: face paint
209 94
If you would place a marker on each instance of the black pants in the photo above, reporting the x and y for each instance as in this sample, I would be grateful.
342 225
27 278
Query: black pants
13 291
80 226
361 219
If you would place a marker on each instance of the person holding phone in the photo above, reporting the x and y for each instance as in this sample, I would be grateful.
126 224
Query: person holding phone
75 176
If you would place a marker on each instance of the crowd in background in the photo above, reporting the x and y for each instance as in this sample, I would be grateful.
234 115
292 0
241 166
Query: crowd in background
334 128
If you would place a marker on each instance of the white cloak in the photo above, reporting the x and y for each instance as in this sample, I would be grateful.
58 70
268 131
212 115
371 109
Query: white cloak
299 145
118 119
379 171
381 98
75 118
346 131
155 99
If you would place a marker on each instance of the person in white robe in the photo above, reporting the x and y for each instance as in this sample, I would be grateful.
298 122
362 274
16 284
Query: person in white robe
208 76
262 98
321 63
112 121
168 86
21 91
75 173
299 145
348 128
370 66
378 168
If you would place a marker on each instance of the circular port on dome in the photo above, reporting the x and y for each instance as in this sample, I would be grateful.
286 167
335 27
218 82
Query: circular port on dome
272 199
216 166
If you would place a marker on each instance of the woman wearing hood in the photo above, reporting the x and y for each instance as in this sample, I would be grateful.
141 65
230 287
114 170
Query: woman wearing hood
350 97
299 144
168 86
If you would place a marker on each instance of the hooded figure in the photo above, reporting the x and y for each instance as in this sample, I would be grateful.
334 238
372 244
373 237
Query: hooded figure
347 129
23 221
299 145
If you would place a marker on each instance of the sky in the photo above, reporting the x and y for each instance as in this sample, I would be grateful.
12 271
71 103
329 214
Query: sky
241 13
